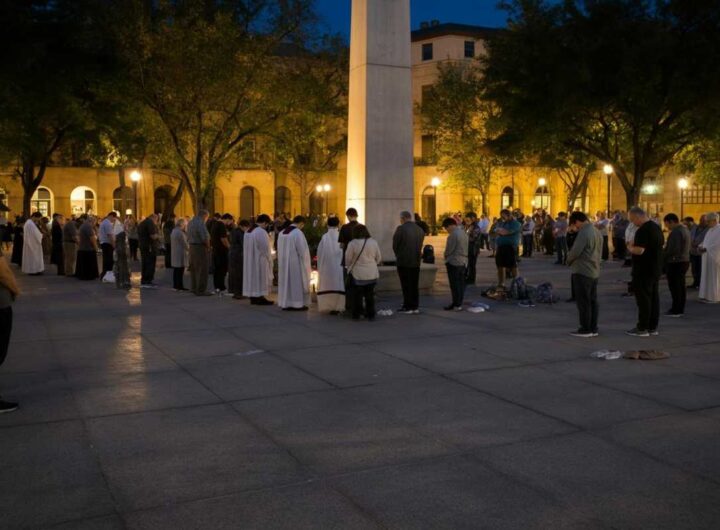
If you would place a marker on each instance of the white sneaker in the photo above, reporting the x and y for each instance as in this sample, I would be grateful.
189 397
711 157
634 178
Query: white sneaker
457 309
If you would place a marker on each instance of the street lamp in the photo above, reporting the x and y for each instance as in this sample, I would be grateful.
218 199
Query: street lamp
542 182
135 177
608 170
435 182
683 185
320 188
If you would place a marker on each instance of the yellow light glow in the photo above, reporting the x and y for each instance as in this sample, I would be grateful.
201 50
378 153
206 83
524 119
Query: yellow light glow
319 188
542 181
608 169
135 176
128 211
327 187
435 182
314 279
683 184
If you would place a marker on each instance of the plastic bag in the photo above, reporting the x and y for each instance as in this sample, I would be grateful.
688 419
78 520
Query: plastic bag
109 277
607 355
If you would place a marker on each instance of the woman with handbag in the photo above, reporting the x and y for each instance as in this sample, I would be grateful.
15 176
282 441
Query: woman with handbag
362 258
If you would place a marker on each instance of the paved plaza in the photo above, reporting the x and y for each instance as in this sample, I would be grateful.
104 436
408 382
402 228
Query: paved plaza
156 409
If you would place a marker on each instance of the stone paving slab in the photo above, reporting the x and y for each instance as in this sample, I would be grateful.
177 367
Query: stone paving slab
156 409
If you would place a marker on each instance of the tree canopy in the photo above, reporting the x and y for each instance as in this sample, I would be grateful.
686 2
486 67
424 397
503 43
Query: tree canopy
629 82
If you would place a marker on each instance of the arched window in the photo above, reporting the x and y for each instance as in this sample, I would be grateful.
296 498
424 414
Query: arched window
82 200
249 202
122 198
507 198
42 202
163 198
542 198
317 205
218 200
429 207
283 200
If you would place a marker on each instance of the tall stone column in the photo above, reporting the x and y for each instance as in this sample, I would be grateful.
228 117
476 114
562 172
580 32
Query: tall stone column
380 129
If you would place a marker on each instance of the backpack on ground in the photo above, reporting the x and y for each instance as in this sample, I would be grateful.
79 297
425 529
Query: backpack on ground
428 254
518 289
544 294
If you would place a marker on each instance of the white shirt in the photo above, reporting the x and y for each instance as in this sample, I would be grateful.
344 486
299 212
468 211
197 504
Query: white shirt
106 231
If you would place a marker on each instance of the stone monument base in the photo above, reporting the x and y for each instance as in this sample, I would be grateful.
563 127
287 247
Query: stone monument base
389 281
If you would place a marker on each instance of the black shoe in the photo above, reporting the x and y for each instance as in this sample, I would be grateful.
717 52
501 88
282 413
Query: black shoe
303 308
672 314
7 406
449 307
583 334
262 301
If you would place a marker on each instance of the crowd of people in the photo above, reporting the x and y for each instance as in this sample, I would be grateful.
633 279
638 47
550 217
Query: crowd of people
246 258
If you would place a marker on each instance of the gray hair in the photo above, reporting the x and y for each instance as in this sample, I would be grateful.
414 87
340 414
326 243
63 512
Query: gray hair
636 210
180 222
712 216
405 215
203 213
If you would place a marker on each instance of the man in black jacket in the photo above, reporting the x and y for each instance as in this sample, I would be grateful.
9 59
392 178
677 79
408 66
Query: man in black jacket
407 246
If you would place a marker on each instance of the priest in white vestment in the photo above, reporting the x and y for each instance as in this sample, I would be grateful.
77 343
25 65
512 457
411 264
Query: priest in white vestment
258 262
331 284
32 256
710 276
294 268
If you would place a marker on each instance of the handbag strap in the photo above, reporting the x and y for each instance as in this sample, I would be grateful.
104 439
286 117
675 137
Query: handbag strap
358 257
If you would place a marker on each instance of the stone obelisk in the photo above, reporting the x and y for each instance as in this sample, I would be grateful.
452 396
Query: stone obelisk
380 128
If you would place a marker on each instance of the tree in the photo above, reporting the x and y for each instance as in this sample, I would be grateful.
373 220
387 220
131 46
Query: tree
455 112
51 58
309 138
574 172
629 83
208 71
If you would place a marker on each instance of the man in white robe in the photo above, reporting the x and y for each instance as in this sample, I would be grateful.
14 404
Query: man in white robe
258 262
331 285
710 248
294 268
32 258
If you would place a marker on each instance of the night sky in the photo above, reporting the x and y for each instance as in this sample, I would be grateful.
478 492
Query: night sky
336 13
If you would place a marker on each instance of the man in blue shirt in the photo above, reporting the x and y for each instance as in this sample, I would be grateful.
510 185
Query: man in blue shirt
506 246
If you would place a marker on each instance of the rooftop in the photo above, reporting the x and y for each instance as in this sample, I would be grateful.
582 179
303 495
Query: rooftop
434 29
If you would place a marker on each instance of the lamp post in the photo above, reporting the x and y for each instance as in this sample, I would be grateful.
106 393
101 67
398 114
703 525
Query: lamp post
326 189
435 182
683 185
135 177
608 170
542 182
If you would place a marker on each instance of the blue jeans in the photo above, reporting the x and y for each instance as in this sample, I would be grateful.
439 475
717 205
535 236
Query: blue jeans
561 247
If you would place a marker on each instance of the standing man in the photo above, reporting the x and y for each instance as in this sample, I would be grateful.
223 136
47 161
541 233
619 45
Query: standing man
199 241
456 261
506 244
602 225
32 255
106 237
70 246
235 258
647 258
331 281
220 241
697 234
56 234
294 267
258 262
560 230
407 246
344 238
528 231
676 260
473 233
584 260
484 226
148 239
710 249
8 292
